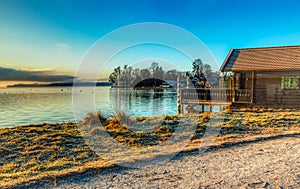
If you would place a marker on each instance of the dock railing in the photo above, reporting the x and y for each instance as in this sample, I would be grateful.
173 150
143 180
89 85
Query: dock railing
216 94
212 97
243 96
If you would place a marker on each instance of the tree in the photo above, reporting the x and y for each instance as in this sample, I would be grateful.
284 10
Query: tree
136 75
214 78
145 74
197 67
127 75
153 67
207 70
136 72
114 76
171 75
158 74
201 70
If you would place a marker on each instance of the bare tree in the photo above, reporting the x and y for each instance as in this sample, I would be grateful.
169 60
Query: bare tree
171 75
127 75
145 74
207 70
153 67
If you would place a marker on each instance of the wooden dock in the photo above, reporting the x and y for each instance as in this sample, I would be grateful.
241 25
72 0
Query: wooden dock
188 98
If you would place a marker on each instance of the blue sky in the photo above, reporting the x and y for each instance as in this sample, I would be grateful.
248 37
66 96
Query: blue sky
54 35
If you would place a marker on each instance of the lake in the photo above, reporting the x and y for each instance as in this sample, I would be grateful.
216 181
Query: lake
23 106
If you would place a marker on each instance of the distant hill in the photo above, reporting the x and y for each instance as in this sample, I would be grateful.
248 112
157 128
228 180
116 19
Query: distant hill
98 84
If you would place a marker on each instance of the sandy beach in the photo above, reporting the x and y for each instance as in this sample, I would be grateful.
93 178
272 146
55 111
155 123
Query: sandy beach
273 163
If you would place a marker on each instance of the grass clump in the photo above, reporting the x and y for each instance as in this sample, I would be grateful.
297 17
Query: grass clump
141 118
9 167
121 118
93 119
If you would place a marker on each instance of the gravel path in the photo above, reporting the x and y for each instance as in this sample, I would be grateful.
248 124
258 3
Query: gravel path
265 164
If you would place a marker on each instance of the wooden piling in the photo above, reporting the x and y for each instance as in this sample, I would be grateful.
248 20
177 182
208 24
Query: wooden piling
179 108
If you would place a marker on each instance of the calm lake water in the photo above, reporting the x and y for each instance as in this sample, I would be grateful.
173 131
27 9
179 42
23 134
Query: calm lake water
23 106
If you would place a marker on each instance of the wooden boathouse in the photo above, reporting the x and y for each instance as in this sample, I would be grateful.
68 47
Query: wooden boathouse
252 77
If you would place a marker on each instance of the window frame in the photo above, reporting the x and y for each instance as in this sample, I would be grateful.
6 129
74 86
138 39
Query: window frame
289 82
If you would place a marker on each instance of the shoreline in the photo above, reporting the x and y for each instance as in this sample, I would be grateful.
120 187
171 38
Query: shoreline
34 152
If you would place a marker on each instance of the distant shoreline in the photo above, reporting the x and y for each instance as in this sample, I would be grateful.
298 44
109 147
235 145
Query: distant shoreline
71 84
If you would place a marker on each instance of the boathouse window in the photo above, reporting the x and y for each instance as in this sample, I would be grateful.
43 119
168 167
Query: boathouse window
290 82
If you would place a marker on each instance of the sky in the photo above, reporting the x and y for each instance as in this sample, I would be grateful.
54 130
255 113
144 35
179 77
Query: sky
49 39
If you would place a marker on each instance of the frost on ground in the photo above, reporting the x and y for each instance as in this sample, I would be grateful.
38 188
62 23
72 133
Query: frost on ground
271 163
84 155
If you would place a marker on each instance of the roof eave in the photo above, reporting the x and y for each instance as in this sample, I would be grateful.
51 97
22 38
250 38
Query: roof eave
257 70
225 61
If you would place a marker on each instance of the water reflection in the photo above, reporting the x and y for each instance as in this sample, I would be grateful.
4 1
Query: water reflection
144 102
23 106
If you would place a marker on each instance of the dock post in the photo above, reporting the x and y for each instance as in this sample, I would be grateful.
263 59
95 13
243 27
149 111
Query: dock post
233 88
187 82
179 109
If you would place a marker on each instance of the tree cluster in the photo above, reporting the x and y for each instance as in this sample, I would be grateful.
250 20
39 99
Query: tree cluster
200 70
155 75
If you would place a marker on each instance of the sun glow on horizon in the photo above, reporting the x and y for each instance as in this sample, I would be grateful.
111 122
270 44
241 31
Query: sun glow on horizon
4 84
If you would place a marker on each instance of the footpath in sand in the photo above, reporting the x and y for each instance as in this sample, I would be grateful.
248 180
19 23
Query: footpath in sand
272 163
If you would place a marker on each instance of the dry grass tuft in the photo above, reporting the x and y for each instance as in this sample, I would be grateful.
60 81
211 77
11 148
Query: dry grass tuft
121 117
93 119
141 118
